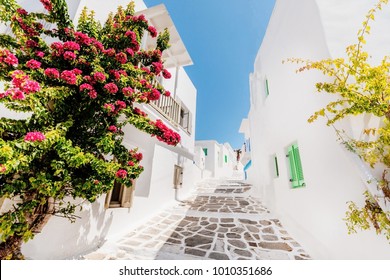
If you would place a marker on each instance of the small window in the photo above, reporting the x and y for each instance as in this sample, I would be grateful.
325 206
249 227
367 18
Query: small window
205 151
276 167
296 172
178 177
120 196
226 158
185 119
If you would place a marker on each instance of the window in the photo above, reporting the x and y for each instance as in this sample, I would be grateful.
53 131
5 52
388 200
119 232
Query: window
295 165
205 151
185 119
276 167
120 196
226 158
178 177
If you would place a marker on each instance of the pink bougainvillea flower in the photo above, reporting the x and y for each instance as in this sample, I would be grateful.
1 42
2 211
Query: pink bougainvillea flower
120 105
47 4
69 77
128 91
121 58
85 87
111 88
72 46
130 52
52 73
34 136
121 173
109 107
18 94
154 95
8 58
40 54
157 67
167 93
152 30
92 94
33 64
99 77
112 128
68 55
166 74
130 163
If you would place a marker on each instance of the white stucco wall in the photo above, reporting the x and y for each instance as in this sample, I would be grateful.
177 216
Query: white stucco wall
313 214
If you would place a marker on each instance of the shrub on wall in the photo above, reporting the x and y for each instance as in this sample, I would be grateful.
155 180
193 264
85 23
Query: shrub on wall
361 89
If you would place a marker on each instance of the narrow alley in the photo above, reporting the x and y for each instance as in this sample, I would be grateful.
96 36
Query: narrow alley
221 220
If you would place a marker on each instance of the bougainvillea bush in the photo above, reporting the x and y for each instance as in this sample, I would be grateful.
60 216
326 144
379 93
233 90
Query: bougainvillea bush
79 87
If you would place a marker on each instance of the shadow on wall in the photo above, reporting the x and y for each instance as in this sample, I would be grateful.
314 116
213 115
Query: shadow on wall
65 240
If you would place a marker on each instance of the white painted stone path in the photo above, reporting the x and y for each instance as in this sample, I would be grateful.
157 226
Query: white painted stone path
220 221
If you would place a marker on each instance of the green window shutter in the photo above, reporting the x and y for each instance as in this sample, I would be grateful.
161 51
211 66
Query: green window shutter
266 87
298 166
276 167
205 151
226 159
293 172
295 164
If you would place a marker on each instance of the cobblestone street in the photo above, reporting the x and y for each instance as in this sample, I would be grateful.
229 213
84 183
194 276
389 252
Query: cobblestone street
220 221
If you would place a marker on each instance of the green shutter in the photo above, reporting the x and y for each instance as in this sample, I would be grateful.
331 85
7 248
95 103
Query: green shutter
276 167
205 151
266 87
226 159
293 172
298 165
295 163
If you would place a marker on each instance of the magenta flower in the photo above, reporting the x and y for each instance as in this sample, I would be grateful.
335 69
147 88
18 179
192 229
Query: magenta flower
111 88
130 163
40 54
121 58
109 107
112 128
72 46
99 77
167 93
120 104
34 136
85 87
128 91
154 94
68 55
52 73
157 67
30 86
166 74
18 94
8 58
69 77
121 173
152 30
130 52
33 64
92 94
47 4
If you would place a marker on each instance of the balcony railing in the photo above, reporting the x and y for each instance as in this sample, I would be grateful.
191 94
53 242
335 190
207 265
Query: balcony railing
169 108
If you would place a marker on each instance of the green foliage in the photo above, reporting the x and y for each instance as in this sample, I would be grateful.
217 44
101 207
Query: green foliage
360 89
79 92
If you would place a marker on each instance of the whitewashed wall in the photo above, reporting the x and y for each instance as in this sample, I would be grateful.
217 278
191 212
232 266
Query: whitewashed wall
314 214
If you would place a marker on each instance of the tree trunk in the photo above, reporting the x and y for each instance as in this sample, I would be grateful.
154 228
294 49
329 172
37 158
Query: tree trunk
11 248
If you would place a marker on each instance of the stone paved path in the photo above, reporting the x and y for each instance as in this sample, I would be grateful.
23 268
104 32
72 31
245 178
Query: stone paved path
221 221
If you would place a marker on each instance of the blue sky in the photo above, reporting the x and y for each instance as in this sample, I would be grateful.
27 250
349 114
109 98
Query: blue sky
222 38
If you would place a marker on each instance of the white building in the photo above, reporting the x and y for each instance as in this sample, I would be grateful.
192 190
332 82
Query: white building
220 159
313 205
169 171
